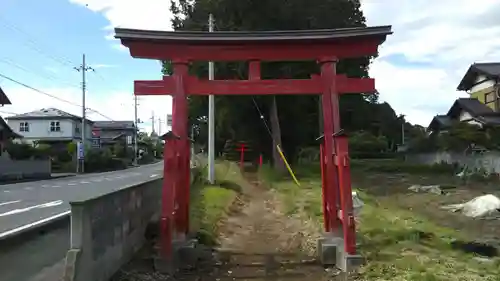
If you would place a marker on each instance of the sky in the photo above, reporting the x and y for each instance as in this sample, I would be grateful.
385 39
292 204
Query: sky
417 70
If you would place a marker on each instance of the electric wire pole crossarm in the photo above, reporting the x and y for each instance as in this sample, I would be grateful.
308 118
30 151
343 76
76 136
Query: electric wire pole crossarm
83 68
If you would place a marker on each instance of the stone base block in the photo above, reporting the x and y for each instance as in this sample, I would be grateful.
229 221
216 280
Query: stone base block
183 256
331 253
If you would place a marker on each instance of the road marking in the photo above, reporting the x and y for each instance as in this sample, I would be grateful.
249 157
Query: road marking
153 175
45 185
56 186
45 205
84 182
6 191
28 188
71 183
9 202
30 225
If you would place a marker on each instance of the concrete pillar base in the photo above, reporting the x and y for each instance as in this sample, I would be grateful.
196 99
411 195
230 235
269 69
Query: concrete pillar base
186 255
331 253
178 260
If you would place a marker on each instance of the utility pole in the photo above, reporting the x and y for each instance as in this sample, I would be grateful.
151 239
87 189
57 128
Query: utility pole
403 129
159 126
83 68
403 133
136 131
211 116
152 122
192 141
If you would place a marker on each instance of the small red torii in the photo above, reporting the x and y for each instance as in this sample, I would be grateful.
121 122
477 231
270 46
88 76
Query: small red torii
324 46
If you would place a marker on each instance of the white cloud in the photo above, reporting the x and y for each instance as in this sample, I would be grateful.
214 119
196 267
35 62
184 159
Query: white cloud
101 65
440 39
446 35
117 106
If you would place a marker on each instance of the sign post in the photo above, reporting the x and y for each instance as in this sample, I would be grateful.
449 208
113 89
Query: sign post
96 138
80 153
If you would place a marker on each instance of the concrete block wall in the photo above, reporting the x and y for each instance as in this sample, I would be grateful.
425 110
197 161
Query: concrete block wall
18 169
489 161
107 231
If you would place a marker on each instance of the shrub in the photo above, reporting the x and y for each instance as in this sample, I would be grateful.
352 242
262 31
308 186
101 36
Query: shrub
397 166
99 160
20 151
146 158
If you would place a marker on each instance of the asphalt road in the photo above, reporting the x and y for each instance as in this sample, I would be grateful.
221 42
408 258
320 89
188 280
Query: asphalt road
40 256
24 204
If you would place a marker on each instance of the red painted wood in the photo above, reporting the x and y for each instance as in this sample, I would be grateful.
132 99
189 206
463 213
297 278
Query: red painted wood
348 222
335 178
196 86
180 128
242 148
254 70
324 190
343 48
327 75
168 195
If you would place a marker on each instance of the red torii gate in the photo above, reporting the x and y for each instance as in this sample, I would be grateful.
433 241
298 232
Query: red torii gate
324 46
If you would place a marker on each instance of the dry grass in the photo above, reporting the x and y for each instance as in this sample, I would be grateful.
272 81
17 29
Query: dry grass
403 236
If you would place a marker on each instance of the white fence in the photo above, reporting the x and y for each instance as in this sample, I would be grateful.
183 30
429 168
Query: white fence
489 161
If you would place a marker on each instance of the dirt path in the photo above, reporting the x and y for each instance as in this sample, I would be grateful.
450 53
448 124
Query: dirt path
259 242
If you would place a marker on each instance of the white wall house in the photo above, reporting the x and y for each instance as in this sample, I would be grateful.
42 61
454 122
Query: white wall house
49 124
482 82
467 117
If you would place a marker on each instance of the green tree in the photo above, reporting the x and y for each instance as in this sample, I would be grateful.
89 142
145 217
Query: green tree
295 118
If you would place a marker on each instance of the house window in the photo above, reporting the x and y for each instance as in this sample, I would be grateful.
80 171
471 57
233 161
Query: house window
77 130
24 127
489 97
55 126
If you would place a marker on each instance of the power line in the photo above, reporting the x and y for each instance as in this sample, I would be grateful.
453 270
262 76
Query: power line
33 44
37 90
50 95
47 77
98 113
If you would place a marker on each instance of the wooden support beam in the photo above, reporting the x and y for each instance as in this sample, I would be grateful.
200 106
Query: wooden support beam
253 51
197 87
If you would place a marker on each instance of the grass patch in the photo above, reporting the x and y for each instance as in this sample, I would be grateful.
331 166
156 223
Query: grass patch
398 244
210 203
401 245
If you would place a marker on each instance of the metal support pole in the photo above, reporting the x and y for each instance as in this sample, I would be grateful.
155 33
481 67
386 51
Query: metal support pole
159 126
211 117
152 121
136 130
83 68
82 168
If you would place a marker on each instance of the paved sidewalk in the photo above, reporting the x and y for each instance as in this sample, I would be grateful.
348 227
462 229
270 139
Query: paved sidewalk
52 176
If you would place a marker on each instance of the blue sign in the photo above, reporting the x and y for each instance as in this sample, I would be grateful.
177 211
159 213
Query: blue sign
81 151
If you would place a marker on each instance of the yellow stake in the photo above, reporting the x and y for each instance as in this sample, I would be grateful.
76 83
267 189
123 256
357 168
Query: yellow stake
287 165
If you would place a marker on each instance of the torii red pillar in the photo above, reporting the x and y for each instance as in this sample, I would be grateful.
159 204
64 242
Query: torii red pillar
324 46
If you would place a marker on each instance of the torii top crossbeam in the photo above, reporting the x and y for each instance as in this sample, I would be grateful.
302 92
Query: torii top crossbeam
262 45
